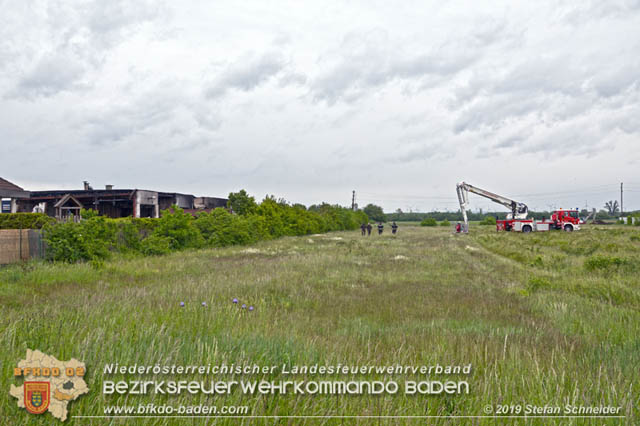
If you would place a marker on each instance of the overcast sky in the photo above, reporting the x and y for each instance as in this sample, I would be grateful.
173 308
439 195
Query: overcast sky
311 100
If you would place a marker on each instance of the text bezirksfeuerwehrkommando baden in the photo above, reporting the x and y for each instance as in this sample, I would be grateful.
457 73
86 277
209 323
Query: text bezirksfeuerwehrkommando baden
300 387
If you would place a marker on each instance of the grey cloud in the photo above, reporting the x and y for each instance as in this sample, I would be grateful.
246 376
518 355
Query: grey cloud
513 140
163 109
551 94
96 26
615 79
495 112
50 75
423 145
292 79
109 18
428 151
535 76
587 10
372 59
76 38
246 73
568 139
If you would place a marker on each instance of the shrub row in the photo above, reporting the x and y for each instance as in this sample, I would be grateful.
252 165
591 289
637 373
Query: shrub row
24 220
610 264
430 221
96 237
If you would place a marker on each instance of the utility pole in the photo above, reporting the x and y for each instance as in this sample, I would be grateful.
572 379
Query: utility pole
353 200
621 205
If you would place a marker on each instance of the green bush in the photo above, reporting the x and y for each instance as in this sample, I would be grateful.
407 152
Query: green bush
179 226
132 231
88 213
221 228
156 245
90 239
609 264
488 220
445 223
24 220
538 283
429 221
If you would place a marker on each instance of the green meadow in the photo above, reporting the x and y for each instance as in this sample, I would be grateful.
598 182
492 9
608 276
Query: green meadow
547 319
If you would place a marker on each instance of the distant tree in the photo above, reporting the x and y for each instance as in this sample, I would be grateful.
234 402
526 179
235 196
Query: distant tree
399 211
241 202
612 207
375 213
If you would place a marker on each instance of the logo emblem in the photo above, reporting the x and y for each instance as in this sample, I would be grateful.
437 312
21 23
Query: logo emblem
36 397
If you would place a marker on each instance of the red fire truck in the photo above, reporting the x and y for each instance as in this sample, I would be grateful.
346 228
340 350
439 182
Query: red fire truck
517 221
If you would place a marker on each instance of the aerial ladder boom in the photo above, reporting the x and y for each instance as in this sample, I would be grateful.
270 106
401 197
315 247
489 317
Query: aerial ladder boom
518 210
591 216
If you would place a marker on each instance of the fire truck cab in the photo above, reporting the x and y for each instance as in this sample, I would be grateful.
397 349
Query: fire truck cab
567 220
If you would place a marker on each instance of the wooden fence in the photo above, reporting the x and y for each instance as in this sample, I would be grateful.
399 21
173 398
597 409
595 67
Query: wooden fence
20 244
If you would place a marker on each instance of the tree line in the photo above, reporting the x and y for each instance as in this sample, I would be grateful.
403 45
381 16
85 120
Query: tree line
244 222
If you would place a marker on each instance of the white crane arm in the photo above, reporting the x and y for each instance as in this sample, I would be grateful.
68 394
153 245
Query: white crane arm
518 210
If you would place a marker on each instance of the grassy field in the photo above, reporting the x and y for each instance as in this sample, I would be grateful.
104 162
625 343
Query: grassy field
545 319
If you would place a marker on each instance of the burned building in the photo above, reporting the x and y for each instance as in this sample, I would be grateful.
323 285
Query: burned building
111 202
10 193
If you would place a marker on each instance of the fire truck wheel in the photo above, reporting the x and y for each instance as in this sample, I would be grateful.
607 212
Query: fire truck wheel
526 228
568 228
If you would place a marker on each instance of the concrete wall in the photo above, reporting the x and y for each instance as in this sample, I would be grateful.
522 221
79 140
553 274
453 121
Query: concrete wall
209 202
146 198
184 201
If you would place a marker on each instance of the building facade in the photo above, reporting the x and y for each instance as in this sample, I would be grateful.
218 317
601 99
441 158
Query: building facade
111 202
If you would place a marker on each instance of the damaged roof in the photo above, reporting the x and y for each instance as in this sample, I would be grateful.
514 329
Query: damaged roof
8 189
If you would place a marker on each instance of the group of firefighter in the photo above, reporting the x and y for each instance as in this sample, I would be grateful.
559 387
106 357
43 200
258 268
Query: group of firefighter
367 227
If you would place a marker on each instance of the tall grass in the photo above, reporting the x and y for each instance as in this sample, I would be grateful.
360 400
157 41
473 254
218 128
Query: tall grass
537 325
